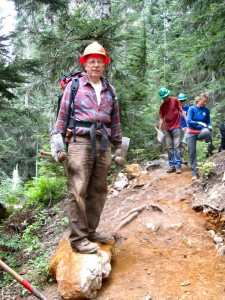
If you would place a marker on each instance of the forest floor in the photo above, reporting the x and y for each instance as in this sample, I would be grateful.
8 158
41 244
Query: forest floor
166 252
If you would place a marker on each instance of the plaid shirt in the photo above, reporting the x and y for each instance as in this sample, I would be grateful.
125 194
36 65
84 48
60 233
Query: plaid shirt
86 109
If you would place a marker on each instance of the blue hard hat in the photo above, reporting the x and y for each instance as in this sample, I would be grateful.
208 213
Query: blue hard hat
182 97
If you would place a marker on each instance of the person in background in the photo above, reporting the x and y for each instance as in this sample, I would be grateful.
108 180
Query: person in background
169 112
183 102
96 122
222 136
199 128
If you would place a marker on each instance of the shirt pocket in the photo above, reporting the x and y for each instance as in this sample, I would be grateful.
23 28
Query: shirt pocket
107 107
84 102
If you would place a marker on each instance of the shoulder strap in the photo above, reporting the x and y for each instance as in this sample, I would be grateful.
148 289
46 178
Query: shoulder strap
111 92
74 89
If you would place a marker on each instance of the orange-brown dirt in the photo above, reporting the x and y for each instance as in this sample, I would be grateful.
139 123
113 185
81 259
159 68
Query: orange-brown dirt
160 255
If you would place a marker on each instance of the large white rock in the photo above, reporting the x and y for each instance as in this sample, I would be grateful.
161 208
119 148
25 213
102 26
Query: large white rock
80 275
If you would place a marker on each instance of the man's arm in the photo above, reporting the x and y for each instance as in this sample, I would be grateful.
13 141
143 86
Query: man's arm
161 120
182 112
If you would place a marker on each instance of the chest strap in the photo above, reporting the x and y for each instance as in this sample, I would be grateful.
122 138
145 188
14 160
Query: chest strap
93 127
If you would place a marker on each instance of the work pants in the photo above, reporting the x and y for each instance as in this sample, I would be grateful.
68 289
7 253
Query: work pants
87 185
192 138
173 146
182 142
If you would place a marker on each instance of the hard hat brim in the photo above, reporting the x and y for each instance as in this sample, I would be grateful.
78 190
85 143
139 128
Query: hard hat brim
83 58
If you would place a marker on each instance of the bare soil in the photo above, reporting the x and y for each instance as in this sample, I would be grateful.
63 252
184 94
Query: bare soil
166 252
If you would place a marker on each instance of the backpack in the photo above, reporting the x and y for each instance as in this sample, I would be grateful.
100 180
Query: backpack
74 77
65 79
222 135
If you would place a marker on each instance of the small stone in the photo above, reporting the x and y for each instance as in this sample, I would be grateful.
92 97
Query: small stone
211 233
185 283
218 239
221 251
218 246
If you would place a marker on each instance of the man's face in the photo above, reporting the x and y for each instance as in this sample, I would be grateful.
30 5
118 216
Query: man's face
183 103
166 99
94 65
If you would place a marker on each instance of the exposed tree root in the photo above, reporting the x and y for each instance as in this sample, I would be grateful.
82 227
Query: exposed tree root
129 217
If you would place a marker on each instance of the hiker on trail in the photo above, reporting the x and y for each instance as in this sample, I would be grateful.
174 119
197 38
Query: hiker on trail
97 123
183 102
169 112
199 128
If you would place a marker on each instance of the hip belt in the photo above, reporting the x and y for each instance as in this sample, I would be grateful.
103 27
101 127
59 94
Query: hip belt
93 127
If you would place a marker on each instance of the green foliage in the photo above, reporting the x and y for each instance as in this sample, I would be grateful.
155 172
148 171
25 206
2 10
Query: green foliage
207 167
202 151
11 197
29 242
45 191
12 244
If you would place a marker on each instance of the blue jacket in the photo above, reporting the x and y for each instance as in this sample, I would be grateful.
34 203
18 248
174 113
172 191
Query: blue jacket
198 114
183 122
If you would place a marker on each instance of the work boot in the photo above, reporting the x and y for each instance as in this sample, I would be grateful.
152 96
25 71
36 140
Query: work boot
170 170
210 148
195 177
99 237
85 246
178 171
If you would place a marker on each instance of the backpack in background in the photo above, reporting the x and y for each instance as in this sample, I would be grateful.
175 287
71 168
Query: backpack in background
222 135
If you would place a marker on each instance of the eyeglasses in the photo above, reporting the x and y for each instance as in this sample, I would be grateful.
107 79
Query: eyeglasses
94 62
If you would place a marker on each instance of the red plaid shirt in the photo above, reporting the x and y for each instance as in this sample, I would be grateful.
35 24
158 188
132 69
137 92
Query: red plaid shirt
86 109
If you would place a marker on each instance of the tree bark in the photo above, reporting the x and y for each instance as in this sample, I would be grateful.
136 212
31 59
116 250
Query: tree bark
102 9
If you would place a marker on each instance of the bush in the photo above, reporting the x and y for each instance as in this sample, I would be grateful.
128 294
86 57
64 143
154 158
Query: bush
45 191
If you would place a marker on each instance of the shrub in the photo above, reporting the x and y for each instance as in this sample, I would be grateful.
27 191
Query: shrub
45 191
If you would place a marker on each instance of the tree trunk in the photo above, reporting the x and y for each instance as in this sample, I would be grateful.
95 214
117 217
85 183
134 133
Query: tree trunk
102 9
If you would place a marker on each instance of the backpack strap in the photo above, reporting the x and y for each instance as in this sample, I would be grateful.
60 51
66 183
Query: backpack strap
74 89
111 92
92 126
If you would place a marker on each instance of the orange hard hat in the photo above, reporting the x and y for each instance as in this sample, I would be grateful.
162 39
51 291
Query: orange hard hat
94 48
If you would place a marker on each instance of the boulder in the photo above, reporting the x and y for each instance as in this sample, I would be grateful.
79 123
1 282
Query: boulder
4 214
133 170
80 275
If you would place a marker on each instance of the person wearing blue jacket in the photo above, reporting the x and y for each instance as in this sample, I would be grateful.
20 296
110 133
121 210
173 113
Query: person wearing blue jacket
183 102
199 128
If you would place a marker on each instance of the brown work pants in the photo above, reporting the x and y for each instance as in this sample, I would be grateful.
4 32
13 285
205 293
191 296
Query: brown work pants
87 186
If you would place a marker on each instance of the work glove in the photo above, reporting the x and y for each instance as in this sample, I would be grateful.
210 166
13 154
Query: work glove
210 127
118 158
202 124
57 147
160 135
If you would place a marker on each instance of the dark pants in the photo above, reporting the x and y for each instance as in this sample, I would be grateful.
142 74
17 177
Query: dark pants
192 138
87 186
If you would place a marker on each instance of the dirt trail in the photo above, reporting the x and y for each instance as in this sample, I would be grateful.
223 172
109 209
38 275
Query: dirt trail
160 255
176 259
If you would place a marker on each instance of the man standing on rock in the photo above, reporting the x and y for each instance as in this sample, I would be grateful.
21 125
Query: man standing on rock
169 112
96 123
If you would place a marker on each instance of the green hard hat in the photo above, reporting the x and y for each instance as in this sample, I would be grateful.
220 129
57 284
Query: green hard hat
163 92
182 97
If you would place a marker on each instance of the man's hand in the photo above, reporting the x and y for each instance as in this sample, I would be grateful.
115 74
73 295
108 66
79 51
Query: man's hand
57 146
202 124
118 158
